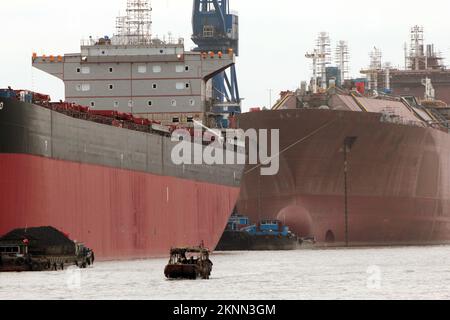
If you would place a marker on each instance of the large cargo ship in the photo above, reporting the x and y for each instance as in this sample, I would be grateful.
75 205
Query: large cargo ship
358 165
354 170
98 166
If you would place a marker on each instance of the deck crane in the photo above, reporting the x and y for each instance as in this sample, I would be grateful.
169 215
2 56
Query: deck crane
216 29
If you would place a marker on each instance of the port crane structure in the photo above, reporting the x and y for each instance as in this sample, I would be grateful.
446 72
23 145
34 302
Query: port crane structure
216 29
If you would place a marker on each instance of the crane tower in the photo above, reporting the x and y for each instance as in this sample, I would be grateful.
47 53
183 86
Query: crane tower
216 29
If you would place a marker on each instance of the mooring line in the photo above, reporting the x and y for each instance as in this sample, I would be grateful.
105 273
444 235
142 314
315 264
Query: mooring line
291 146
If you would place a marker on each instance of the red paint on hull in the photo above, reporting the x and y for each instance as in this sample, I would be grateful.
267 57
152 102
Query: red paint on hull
398 189
120 214
372 220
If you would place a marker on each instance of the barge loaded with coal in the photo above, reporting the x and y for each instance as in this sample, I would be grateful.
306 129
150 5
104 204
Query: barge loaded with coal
41 249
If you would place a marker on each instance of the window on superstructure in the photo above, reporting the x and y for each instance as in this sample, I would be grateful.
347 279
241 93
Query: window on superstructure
142 69
149 103
111 70
188 85
157 69
92 104
192 102
190 119
83 87
175 120
179 69
78 70
85 70
208 31
111 87
116 104
179 85
186 68
173 103
155 86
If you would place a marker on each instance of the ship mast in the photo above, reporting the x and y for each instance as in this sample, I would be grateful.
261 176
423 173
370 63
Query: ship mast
321 58
417 48
135 27
343 59
375 67
324 57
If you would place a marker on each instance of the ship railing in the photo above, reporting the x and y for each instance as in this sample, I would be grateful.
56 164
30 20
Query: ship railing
400 121
121 120
395 119
112 118
124 40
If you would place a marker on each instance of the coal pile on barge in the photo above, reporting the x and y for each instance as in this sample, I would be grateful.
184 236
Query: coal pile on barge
42 248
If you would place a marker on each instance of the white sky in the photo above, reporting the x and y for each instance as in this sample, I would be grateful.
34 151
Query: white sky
275 35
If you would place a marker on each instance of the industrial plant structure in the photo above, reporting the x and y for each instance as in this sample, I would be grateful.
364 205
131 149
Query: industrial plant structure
424 76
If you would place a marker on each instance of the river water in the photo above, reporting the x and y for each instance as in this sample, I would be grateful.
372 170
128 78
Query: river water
373 273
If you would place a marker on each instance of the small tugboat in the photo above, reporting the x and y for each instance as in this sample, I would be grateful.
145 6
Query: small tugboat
266 235
189 263
41 249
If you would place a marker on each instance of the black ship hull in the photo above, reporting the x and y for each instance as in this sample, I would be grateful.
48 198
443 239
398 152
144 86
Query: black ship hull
243 241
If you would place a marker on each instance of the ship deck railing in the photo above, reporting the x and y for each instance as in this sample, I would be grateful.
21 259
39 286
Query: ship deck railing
127 41
433 124
114 118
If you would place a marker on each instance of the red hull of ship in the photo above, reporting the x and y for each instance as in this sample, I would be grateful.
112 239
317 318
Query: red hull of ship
398 190
120 214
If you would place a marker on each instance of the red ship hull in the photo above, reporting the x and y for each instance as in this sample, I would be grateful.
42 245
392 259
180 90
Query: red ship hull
121 214
398 190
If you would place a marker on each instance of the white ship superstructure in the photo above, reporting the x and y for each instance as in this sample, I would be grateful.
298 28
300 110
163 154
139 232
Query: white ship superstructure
135 73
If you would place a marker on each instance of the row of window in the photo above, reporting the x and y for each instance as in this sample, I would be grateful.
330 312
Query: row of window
140 69
173 103
87 87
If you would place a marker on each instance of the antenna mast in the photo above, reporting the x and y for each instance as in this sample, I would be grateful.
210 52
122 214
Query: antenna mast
343 59
135 27
324 57
375 67
417 48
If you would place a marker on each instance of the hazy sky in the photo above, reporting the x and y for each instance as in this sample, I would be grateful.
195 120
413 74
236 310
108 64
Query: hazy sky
275 35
